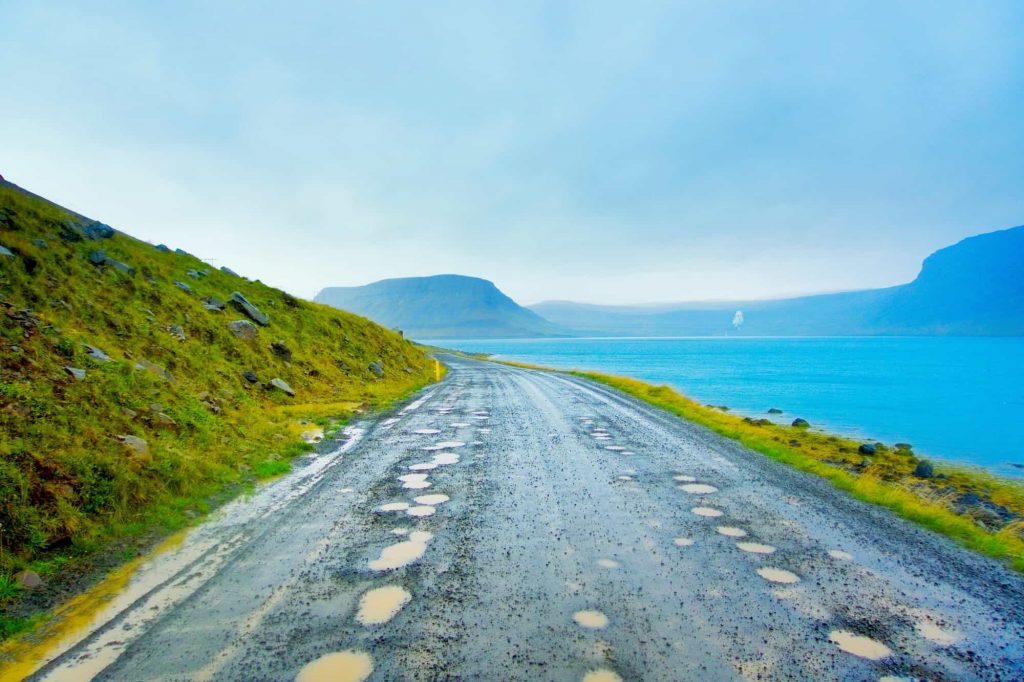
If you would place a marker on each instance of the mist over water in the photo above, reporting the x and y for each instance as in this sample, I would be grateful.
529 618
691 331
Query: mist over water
952 398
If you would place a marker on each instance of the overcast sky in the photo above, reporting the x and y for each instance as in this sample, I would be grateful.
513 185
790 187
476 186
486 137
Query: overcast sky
594 151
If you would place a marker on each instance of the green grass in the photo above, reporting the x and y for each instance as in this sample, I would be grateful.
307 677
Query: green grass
887 481
68 487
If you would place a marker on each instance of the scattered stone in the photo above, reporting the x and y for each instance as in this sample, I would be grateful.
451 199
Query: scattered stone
378 369
194 274
96 354
41 243
28 579
4 251
251 377
182 252
243 305
97 257
177 331
97 231
228 271
71 231
184 287
164 419
801 423
282 385
134 443
118 265
244 330
281 350
163 247
774 410
866 449
130 413
213 303
154 368
78 374
924 469
903 447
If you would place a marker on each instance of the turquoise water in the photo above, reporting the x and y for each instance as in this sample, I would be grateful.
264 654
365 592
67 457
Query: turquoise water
952 398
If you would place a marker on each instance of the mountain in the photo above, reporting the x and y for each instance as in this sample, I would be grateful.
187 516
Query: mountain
136 380
973 288
442 306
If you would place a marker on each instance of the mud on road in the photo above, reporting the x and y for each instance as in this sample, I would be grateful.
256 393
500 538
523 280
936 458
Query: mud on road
518 525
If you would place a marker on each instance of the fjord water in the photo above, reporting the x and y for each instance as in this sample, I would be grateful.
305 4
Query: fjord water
958 398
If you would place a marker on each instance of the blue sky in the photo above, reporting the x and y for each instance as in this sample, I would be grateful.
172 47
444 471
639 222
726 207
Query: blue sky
595 151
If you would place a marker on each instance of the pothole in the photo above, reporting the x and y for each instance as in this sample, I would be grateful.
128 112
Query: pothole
432 500
698 488
594 620
382 604
402 553
778 575
682 478
393 507
682 542
731 531
840 554
607 563
427 432
859 645
420 511
601 675
414 481
709 512
342 666
755 548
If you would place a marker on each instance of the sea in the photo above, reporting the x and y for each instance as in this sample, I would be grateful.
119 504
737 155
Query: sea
956 399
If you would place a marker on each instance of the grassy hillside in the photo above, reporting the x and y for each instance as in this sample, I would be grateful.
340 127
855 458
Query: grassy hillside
161 414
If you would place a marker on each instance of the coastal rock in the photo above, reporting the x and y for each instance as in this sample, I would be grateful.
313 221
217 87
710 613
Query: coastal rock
866 449
378 369
801 423
924 469
244 330
77 373
281 385
243 305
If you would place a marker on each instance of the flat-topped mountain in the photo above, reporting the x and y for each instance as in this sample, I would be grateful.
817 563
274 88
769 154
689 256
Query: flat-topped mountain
441 306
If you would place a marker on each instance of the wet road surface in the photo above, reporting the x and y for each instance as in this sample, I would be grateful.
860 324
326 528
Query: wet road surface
518 525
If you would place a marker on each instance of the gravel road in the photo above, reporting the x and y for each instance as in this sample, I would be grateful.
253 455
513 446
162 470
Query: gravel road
510 524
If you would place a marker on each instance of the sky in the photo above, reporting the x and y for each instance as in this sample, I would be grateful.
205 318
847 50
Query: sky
593 151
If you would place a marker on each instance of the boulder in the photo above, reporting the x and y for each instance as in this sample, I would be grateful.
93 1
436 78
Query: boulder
177 332
118 265
40 243
71 231
194 274
96 354
282 351
28 579
98 257
228 271
250 376
866 449
134 443
801 423
213 303
182 252
163 247
924 469
378 369
78 374
281 385
774 410
97 231
243 305
165 420
4 251
244 330
184 287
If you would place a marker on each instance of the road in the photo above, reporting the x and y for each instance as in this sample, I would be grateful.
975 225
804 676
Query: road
574 533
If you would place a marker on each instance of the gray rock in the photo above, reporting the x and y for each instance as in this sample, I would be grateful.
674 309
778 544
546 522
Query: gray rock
98 257
213 303
154 368
78 374
282 351
4 251
134 443
243 305
96 354
28 579
163 247
281 385
194 274
184 287
377 369
228 271
41 243
118 265
800 422
866 449
924 469
177 331
164 419
97 231
71 231
244 330
251 377
182 252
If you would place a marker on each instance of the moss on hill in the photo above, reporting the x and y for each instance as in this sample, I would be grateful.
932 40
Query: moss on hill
167 377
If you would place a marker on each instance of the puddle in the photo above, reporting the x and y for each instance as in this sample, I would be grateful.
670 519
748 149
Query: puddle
393 507
459 425
625 478
683 542
684 479
444 445
933 633
614 448
601 675
483 430
423 466
343 666
403 553
432 499
629 452
414 481
594 620
840 554
382 604
778 575
427 432
422 510
607 563
731 531
859 645
346 491
698 488
755 548
446 458
400 531
709 512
